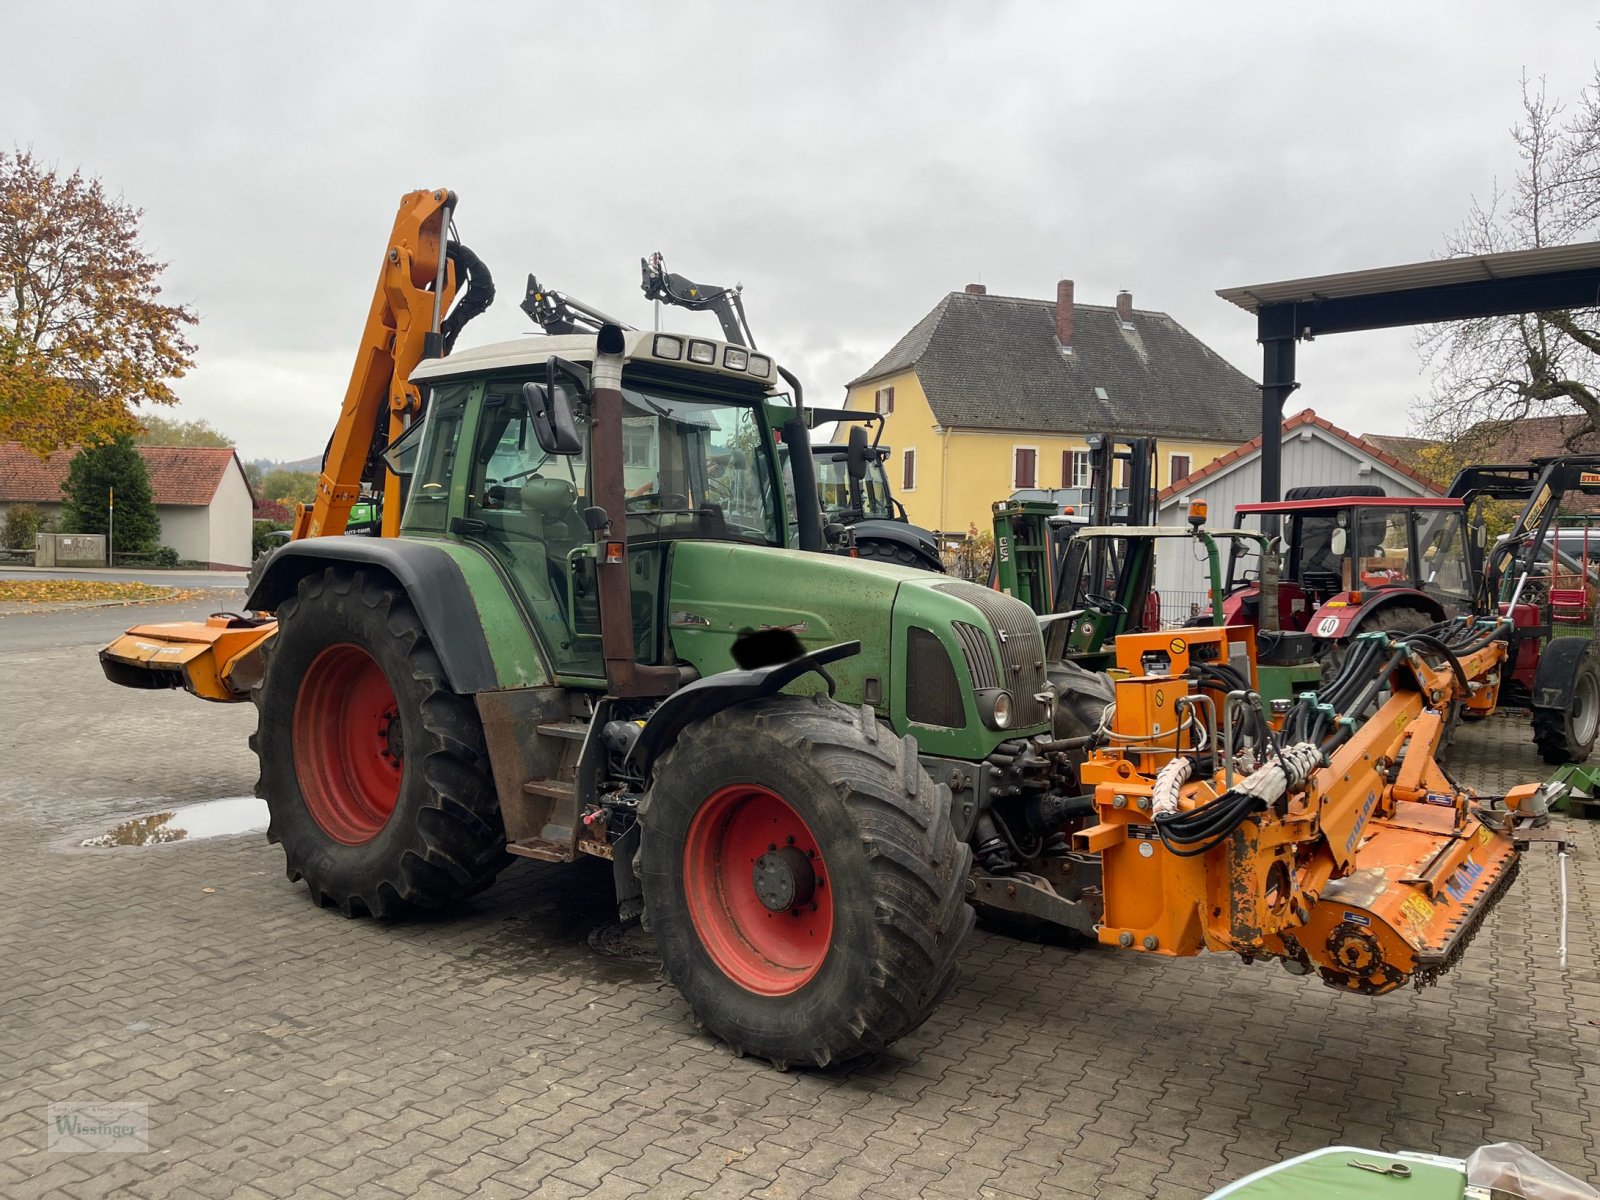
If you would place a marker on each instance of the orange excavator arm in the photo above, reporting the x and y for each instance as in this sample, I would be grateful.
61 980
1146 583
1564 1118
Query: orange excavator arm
405 325
414 316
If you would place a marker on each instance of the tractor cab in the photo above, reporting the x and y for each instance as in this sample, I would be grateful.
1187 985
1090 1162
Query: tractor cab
1348 557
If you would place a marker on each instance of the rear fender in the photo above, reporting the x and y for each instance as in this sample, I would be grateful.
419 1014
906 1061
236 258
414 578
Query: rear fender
433 583
1341 618
1557 670
725 689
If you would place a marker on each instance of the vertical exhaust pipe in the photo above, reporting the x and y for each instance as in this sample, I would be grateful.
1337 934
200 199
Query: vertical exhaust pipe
625 676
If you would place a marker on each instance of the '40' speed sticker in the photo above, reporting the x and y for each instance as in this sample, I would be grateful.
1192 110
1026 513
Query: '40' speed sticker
1327 627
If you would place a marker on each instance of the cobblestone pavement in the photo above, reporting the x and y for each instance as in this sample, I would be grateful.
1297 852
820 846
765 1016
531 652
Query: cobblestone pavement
287 1051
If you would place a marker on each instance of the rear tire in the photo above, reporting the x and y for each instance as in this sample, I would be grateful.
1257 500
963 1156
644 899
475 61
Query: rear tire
1567 735
893 552
1390 620
374 772
870 949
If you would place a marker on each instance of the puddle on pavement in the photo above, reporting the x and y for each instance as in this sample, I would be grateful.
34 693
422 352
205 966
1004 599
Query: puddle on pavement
213 818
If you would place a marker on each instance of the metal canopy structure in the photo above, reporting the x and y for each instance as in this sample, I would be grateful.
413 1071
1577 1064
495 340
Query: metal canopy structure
1447 289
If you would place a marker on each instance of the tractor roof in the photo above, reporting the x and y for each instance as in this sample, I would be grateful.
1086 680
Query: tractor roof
1332 503
640 345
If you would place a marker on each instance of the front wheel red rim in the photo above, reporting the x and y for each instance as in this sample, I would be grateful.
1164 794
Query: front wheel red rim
758 891
349 756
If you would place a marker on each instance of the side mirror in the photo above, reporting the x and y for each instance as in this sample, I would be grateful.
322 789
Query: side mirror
857 453
1480 536
1338 542
553 424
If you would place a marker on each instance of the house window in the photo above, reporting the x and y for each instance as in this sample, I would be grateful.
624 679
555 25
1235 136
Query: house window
1074 468
883 400
1177 468
1024 467
908 470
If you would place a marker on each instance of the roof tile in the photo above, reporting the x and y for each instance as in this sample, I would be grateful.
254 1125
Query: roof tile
993 362
180 475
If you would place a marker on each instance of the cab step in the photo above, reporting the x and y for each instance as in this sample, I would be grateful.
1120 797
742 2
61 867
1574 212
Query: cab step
549 789
575 730
545 851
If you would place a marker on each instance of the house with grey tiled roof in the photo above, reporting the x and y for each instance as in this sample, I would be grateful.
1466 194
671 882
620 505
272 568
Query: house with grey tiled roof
989 395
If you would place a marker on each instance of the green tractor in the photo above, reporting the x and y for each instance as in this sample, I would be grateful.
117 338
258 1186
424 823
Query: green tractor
601 633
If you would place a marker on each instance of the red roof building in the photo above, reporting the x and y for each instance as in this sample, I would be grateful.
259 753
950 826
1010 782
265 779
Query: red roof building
202 497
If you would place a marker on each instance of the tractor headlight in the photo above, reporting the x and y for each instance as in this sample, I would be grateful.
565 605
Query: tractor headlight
994 706
760 366
703 353
735 359
667 346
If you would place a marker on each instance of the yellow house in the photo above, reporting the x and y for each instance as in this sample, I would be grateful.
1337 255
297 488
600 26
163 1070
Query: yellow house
992 395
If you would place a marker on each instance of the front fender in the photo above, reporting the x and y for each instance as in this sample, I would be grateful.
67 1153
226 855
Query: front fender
1557 670
1341 617
725 689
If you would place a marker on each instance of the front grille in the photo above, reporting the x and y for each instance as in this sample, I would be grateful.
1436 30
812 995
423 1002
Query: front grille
1021 647
933 693
978 648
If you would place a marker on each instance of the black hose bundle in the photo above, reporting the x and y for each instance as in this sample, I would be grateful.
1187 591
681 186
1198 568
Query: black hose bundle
472 302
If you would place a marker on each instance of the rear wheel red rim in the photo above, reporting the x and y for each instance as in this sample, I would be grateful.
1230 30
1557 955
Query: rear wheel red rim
348 752
758 891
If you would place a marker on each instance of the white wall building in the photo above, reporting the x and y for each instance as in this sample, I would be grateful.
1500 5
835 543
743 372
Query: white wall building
1315 453
203 500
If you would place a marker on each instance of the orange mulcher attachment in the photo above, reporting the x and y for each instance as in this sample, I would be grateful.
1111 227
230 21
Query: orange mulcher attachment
1336 843
219 660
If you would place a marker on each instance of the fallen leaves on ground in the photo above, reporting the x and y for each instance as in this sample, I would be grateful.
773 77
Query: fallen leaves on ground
68 591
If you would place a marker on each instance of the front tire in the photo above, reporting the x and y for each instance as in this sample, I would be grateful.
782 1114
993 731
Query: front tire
1567 735
374 772
802 879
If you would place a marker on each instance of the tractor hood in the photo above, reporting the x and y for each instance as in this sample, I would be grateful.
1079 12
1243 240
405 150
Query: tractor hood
934 651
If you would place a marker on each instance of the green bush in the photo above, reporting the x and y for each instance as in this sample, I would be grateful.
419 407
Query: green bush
91 476
23 523
164 558
260 543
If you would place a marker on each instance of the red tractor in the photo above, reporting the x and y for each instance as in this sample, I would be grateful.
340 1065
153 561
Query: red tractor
1356 561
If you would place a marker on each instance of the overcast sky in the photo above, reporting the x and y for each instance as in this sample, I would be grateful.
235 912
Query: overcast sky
849 163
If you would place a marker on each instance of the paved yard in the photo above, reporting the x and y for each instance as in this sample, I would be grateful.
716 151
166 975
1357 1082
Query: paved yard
287 1051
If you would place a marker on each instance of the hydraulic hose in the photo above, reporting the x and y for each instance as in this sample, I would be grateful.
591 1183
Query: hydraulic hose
472 302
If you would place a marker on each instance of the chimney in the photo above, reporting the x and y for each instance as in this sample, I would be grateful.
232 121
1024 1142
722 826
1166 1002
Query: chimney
1125 307
1064 313
977 289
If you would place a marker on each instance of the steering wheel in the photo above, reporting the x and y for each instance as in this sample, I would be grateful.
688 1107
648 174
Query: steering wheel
1105 604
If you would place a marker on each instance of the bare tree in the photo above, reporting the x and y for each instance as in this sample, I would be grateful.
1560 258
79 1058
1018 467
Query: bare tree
1495 370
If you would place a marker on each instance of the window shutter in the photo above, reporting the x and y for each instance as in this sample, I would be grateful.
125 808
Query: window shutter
1022 468
883 400
1066 468
908 475
1178 468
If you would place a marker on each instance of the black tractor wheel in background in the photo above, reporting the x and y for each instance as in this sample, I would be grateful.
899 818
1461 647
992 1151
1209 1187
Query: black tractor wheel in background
374 772
802 880
1567 735
1391 620
1332 491
896 553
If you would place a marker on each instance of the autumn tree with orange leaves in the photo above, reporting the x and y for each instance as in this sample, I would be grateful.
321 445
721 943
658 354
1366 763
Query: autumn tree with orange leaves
84 337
